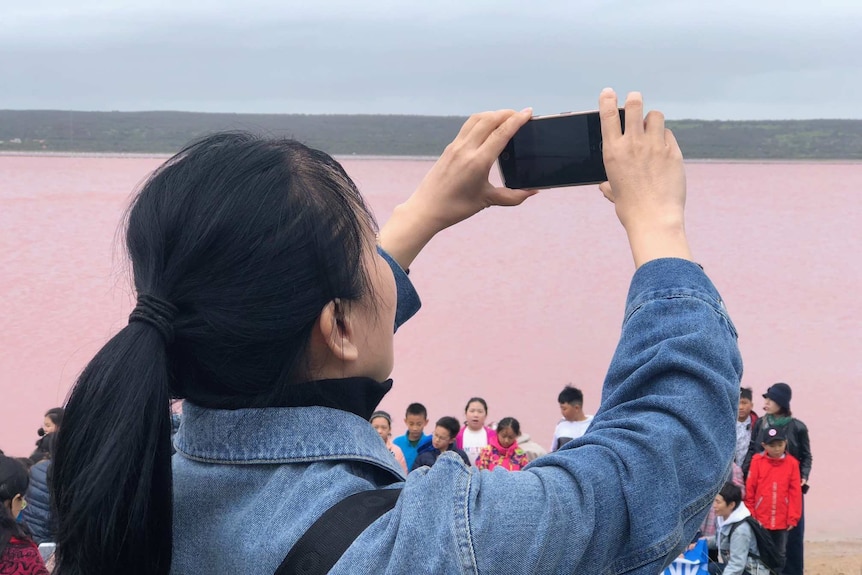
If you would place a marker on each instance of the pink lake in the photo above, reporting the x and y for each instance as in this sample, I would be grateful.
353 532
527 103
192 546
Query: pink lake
517 302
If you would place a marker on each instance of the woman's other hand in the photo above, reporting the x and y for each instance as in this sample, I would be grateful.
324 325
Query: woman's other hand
458 185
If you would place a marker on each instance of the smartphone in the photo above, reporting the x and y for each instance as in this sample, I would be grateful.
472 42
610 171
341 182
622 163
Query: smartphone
555 151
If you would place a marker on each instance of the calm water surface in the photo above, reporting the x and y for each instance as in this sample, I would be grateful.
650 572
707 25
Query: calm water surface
517 302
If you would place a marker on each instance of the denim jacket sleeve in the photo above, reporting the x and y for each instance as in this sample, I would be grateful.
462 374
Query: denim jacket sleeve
628 495
408 302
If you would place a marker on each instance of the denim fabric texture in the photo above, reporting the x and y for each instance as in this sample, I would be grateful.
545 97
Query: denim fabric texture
407 299
626 497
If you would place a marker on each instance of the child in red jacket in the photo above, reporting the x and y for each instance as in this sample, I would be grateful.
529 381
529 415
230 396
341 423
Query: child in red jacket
773 492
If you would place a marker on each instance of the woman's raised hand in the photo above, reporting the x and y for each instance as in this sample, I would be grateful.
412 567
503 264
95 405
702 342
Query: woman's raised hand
646 179
457 187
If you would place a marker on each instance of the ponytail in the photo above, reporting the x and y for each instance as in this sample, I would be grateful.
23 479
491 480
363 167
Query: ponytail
111 482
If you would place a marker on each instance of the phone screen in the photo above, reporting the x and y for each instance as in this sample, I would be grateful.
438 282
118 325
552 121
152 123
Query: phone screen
555 151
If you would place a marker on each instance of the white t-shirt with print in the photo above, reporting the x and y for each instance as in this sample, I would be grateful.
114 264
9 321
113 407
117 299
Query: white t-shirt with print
567 430
474 443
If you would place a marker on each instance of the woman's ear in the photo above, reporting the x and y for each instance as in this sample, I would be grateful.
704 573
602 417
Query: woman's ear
336 330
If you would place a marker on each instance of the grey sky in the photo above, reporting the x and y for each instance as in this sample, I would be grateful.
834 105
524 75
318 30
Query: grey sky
735 59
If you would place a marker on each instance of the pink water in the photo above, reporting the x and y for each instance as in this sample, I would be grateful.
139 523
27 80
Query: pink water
517 302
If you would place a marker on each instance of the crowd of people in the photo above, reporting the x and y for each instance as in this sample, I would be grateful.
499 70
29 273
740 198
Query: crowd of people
267 300
769 474
768 479
26 518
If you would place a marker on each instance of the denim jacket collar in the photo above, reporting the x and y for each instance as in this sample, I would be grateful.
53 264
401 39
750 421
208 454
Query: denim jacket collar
299 434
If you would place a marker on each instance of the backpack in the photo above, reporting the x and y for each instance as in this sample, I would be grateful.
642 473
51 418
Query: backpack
768 552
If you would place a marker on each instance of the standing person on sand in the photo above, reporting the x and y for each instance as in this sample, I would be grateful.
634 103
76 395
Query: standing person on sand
264 302
773 491
777 414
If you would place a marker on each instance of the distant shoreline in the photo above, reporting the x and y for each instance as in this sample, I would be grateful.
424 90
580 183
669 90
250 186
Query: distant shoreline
372 157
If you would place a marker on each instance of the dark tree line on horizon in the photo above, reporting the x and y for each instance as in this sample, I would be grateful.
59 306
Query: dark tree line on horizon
167 132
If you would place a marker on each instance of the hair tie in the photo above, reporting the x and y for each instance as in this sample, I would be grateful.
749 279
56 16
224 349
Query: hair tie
158 313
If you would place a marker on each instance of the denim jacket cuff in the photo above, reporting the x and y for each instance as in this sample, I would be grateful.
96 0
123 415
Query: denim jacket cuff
408 302
669 278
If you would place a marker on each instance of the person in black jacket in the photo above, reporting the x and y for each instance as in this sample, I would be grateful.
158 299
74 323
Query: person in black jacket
38 514
443 439
778 414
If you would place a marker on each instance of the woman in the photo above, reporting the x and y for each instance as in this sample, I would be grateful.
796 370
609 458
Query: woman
776 407
18 552
381 421
50 424
475 435
734 539
263 303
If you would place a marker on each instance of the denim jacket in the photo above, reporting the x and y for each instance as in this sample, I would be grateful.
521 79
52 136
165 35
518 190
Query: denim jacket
624 498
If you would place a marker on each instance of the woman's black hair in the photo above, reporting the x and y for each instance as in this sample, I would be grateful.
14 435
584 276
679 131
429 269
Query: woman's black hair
55 414
731 493
475 400
249 239
509 422
14 480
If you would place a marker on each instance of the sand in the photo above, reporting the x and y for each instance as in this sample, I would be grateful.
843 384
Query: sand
833 557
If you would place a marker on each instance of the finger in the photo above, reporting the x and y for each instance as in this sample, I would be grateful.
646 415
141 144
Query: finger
489 122
508 197
634 113
468 125
609 116
497 140
654 124
607 191
670 142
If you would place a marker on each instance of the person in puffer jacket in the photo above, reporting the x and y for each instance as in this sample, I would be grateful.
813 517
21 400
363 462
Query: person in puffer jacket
38 514
503 450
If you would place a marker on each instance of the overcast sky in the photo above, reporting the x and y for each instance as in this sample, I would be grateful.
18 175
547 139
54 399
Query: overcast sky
730 59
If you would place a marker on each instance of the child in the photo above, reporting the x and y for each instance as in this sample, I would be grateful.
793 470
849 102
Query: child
475 435
381 421
414 439
745 420
503 450
574 423
773 492
443 439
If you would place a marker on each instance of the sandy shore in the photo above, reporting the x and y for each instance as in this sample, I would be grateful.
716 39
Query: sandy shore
833 557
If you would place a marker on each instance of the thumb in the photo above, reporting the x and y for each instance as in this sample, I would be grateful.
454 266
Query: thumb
509 197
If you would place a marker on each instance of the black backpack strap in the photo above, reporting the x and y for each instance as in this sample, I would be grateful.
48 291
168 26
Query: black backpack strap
320 548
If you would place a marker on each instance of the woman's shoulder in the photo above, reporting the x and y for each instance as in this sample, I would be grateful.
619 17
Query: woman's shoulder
798 425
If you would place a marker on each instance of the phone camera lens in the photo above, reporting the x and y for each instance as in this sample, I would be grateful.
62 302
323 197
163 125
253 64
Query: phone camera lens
504 156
